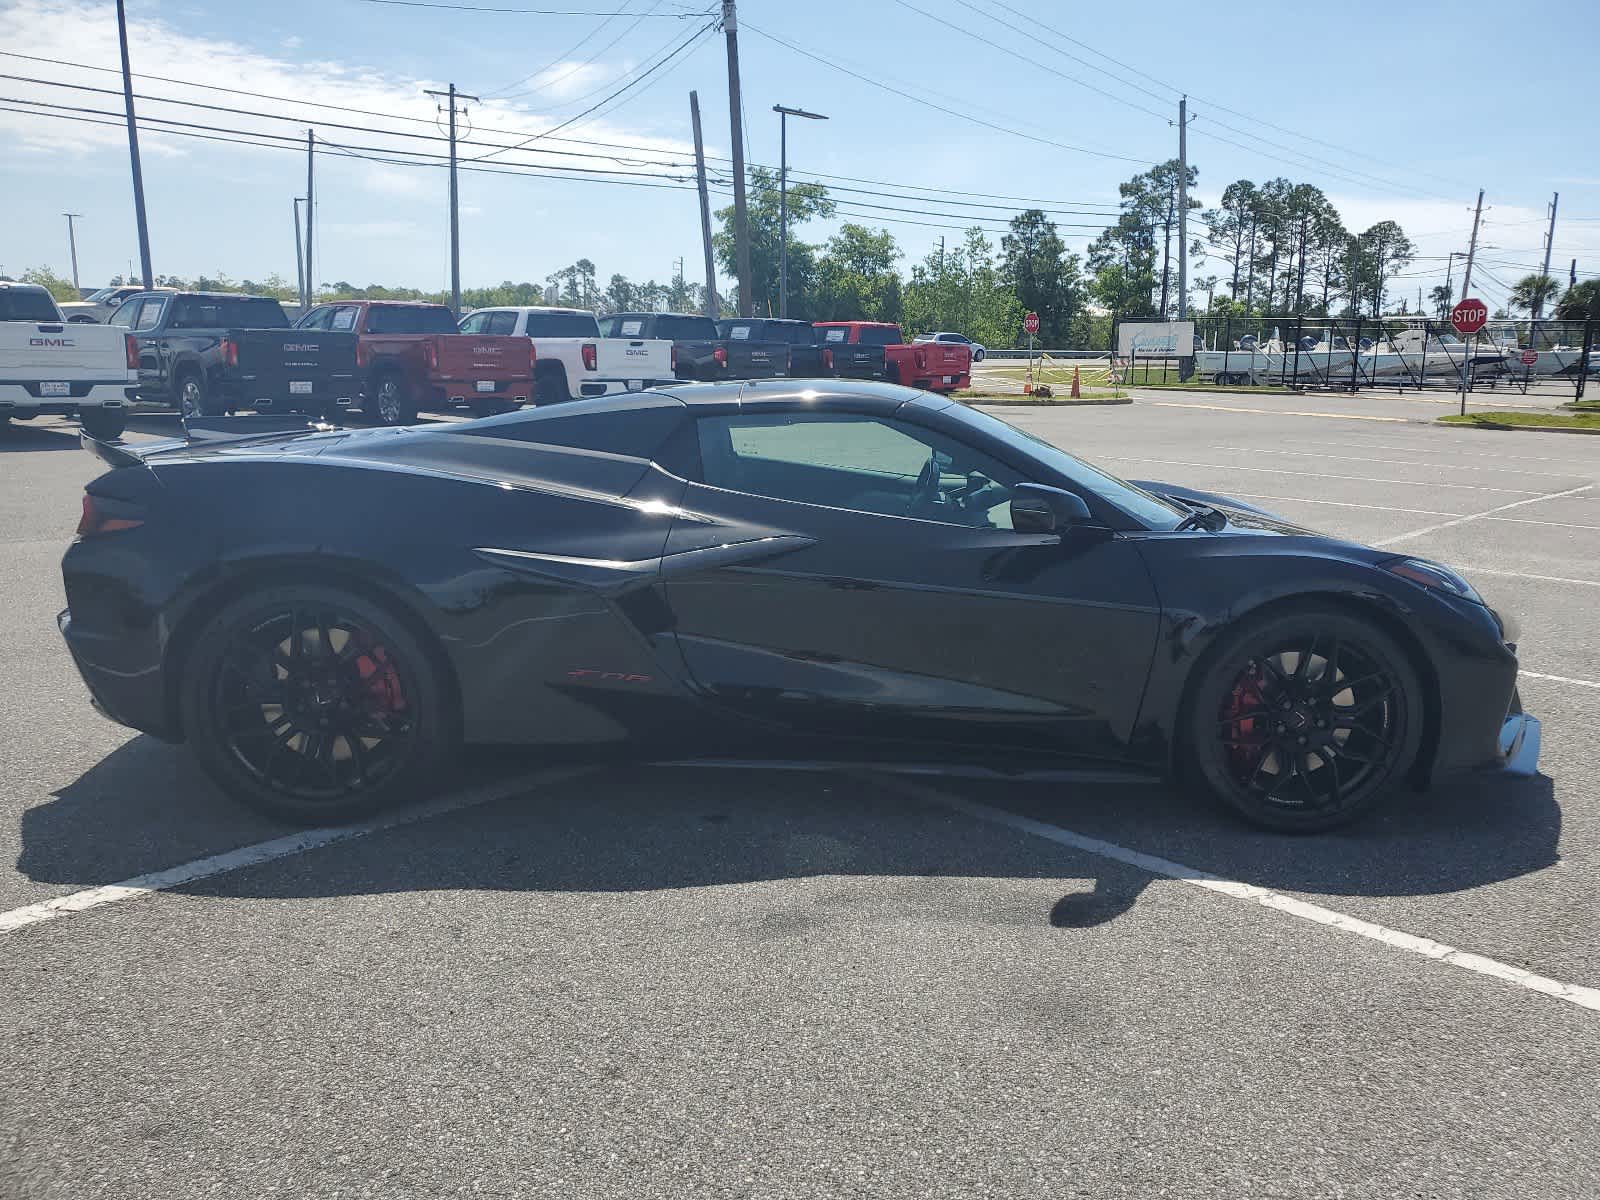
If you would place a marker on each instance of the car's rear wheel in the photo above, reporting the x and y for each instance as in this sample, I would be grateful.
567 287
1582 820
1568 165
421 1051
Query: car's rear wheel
392 403
550 385
1305 720
314 705
192 398
103 424
977 356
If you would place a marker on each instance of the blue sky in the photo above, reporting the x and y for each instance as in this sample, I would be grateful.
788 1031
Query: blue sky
1361 100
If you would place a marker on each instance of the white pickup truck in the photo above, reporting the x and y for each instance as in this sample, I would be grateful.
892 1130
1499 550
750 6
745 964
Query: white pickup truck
49 366
572 359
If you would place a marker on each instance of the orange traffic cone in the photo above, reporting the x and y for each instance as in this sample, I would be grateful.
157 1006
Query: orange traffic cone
1077 392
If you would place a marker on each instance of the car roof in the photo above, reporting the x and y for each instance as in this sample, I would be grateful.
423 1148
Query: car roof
203 295
813 394
389 303
19 286
535 308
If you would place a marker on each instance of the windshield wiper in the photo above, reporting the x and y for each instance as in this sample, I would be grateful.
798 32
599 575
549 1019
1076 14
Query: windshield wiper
1201 516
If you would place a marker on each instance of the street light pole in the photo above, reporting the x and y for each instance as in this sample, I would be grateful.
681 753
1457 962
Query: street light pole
783 198
299 255
72 244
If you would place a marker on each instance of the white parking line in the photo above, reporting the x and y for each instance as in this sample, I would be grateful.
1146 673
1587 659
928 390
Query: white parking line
1583 997
1526 575
1427 483
1488 512
1421 512
1588 683
263 852
1275 412
1398 462
1453 450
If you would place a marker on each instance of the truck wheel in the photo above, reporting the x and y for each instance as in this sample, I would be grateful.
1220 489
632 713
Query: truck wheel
550 385
192 398
103 424
391 400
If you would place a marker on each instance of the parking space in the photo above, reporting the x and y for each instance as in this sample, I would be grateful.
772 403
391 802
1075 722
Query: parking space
593 980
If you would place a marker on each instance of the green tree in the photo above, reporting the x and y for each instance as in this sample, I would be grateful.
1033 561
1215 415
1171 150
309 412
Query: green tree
577 284
1230 227
1379 253
1581 301
59 286
807 201
962 290
1532 292
1045 278
855 277
1442 297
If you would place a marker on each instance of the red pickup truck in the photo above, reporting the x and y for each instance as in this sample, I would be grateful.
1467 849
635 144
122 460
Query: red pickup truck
411 356
935 366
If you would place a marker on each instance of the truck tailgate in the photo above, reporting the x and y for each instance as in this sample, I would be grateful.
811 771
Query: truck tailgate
633 358
33 351
757 360
471 356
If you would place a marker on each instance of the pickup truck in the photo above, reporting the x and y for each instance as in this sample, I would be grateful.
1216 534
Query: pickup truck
49 366
412 356
211 353
935 366
699 352
97 307
807 359
572 358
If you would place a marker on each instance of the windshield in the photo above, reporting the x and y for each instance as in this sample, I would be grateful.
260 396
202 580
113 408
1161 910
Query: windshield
880 335
27 304
229 312
562 325
410 318
1144 507
100 297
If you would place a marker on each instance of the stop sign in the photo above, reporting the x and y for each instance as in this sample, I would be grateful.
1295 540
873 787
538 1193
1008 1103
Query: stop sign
1529 357
1469 316
1031 322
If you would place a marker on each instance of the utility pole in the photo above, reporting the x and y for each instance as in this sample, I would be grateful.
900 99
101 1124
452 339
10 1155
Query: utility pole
713 309
1549 244
455 208
1250 279
311 209
299 255
1183 209
783 198
72 244
741 215
133 150
941 257
1472 248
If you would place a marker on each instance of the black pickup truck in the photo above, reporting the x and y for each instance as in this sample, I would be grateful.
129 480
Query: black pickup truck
698 351
210 353
806 359
865 358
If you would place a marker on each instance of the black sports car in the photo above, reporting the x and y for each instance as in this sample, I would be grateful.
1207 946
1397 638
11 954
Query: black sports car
832 569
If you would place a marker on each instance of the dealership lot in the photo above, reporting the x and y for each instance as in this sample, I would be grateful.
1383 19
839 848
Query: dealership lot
589 980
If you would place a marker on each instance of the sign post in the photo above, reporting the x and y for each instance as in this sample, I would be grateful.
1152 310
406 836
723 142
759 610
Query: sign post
1031 324
1467 317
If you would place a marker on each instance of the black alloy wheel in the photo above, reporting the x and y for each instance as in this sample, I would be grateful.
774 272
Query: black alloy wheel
314 705
1305 721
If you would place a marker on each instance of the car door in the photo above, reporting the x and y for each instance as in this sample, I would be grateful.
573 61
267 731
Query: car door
849 602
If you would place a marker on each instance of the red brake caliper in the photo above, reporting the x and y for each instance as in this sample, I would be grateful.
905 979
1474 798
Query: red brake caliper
1245 698
381 680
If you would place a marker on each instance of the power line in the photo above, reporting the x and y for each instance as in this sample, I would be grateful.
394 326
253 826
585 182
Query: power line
562 57
536 12
878 83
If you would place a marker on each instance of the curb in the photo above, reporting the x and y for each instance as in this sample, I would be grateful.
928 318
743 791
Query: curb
1500 427
1029 402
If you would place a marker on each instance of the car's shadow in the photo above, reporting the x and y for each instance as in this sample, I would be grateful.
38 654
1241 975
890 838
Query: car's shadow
146 807
17 437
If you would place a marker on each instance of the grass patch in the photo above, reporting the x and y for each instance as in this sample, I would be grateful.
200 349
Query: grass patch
1526 420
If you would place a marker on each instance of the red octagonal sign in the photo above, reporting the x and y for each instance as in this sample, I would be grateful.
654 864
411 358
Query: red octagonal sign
1031 322
1469 316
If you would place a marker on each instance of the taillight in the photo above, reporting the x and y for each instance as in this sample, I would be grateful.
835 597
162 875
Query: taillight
921 357
533 355
721 355
102 516
591 357
674 356
363 355
132 345
430 356
827 359
230 352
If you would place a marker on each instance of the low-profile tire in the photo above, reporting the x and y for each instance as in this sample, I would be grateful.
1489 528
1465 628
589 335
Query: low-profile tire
1303 720
103 424
392 402
315 705
550 385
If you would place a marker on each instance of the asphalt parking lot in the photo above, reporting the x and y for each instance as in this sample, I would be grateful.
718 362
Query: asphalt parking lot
693 981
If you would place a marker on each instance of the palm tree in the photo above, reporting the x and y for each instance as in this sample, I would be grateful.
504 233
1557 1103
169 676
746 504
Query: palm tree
1532 292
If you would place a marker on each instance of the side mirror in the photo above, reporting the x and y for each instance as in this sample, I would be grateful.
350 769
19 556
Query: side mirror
1036 508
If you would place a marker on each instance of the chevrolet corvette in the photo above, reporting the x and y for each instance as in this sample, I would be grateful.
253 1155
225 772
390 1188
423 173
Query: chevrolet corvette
827 569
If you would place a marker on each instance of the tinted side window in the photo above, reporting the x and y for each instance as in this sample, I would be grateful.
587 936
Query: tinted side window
501 323
126 314
344 318
419 318
635 426
857 462
474 323
150 313
317 318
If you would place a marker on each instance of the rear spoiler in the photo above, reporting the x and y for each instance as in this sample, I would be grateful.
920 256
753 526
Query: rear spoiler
202 430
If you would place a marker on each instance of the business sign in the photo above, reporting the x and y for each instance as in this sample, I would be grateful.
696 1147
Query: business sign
1155 339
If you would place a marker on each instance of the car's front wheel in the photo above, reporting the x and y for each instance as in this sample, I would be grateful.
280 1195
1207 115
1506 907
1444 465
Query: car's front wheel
977 355
1304 720
103 424
314 705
